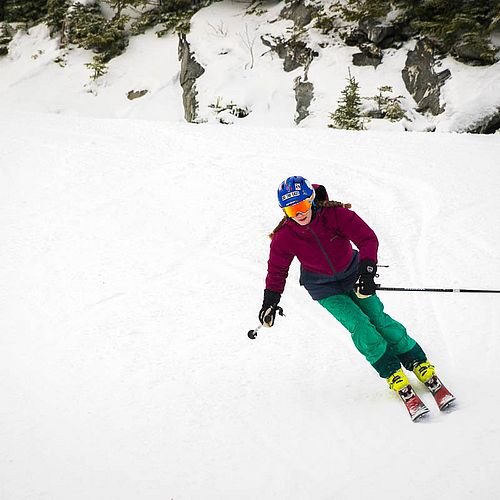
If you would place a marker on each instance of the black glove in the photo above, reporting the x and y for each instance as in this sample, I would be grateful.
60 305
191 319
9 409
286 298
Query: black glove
367 271
269 308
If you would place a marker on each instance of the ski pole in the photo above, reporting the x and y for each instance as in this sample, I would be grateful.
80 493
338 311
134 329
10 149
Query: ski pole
267 319
253 333
452 290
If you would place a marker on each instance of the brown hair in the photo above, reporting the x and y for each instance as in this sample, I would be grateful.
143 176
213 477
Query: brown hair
319 204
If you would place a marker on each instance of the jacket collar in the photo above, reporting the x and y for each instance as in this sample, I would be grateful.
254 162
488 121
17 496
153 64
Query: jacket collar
297 228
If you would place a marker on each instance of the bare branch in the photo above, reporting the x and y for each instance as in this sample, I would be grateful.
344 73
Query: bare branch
249 42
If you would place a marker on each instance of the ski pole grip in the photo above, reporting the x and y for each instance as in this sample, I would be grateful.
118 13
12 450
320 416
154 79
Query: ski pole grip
268 318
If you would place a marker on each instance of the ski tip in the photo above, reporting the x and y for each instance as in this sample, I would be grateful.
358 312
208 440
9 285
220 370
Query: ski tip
449 405
421 416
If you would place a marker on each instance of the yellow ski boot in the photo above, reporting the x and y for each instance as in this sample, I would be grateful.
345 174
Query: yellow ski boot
424 371
398 380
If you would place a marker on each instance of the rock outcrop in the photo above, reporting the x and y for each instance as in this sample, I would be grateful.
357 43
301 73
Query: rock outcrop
294 52
489 124
136 94
6 34
370 55
190 71
421 79
372 36
304 94
299 12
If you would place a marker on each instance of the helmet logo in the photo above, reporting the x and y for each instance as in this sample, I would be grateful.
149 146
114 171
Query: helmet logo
290 195
297 186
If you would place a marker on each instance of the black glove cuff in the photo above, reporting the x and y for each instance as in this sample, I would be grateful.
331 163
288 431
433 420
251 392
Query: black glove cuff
270 298
367 266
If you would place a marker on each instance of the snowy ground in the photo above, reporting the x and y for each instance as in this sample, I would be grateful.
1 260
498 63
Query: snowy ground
132 265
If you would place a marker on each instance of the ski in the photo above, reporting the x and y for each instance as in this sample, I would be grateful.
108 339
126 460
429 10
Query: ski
443 397
415 406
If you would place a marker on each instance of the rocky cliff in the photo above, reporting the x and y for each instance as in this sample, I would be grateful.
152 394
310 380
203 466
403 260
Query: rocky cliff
289 59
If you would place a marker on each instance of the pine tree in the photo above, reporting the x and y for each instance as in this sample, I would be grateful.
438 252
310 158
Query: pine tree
348 114
88 28
57 11
119 5
97 66
24 11
388 106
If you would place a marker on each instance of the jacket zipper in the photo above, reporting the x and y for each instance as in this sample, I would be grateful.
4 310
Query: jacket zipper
323 251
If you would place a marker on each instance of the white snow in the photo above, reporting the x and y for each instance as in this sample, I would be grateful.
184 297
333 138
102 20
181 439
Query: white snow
30 79
133 260
469 93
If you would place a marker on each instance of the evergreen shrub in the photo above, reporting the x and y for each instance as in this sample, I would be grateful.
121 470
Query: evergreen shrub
88 28
348 113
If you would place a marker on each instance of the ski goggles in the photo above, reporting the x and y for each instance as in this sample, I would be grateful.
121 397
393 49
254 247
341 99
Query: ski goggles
299 208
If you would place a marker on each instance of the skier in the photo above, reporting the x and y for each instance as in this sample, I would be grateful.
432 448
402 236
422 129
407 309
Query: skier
319 233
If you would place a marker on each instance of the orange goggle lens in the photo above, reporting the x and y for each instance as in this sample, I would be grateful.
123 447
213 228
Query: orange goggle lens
301 207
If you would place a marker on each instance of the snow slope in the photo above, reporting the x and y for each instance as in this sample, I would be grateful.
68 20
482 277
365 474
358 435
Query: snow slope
132 265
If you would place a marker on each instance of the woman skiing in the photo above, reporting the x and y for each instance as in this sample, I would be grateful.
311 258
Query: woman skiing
319 233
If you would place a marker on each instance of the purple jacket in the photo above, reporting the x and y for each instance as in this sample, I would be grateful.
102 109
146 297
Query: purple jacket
323 247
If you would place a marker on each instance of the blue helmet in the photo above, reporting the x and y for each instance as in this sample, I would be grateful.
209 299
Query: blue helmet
294 190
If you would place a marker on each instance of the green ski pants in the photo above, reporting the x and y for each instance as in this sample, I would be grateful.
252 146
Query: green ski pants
381 339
